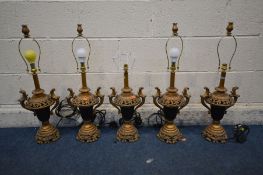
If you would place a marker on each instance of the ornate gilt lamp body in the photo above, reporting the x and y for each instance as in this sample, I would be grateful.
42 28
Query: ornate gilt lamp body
219 101
85 101
40 102
171 102
127 103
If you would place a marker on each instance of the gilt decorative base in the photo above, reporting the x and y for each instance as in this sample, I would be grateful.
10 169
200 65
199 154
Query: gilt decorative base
47 133
127 132
169 133
88 133
215 133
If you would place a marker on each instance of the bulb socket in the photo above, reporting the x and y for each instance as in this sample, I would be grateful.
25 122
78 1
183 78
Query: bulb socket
33 67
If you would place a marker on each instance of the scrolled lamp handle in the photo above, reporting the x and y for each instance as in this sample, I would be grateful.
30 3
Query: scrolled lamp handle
186 96
101 98
203 97
234 94
79 36
156 97
23 99
142 96
25 31
113 95
70 96
54 97
174 35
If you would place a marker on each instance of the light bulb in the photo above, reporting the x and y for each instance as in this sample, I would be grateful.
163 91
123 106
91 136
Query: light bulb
81 54
30 55
174 54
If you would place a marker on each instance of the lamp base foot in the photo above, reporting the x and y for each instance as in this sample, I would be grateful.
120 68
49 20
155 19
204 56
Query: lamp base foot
215 133
169 133
127 133
88 133
47 133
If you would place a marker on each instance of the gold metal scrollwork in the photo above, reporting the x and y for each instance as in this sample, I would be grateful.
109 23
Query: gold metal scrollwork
101 98
187 98
113 95
142 96
156 97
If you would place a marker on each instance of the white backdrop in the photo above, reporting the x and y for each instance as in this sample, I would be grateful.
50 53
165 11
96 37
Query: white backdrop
140 28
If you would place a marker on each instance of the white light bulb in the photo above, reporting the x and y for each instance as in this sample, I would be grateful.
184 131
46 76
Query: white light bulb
174 54
81 54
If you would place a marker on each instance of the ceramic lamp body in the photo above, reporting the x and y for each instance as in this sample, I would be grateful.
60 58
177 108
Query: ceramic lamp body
170 113
170 103
127 103
43 114
127 113
217 103
87 113
47 132
88 131
87 103
217 112
40 104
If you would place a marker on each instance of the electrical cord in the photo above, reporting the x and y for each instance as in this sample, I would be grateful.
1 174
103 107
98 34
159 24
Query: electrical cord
240 133
65 111
159 119
99 120
136 119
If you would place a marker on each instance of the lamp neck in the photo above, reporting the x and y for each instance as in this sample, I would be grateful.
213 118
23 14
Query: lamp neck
35 76
172 76
126 77
222 77
36 81
83 76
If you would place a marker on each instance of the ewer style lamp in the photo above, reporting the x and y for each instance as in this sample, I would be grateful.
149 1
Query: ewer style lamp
171 102
85 101
40 102
127 103
219 100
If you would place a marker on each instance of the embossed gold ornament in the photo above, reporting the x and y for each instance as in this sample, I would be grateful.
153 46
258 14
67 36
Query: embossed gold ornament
85 101
40 102
171 102
127 103
219 100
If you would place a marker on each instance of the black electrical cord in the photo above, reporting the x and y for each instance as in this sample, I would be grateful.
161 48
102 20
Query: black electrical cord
159 119
136 119
100 120
65 111
240 133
